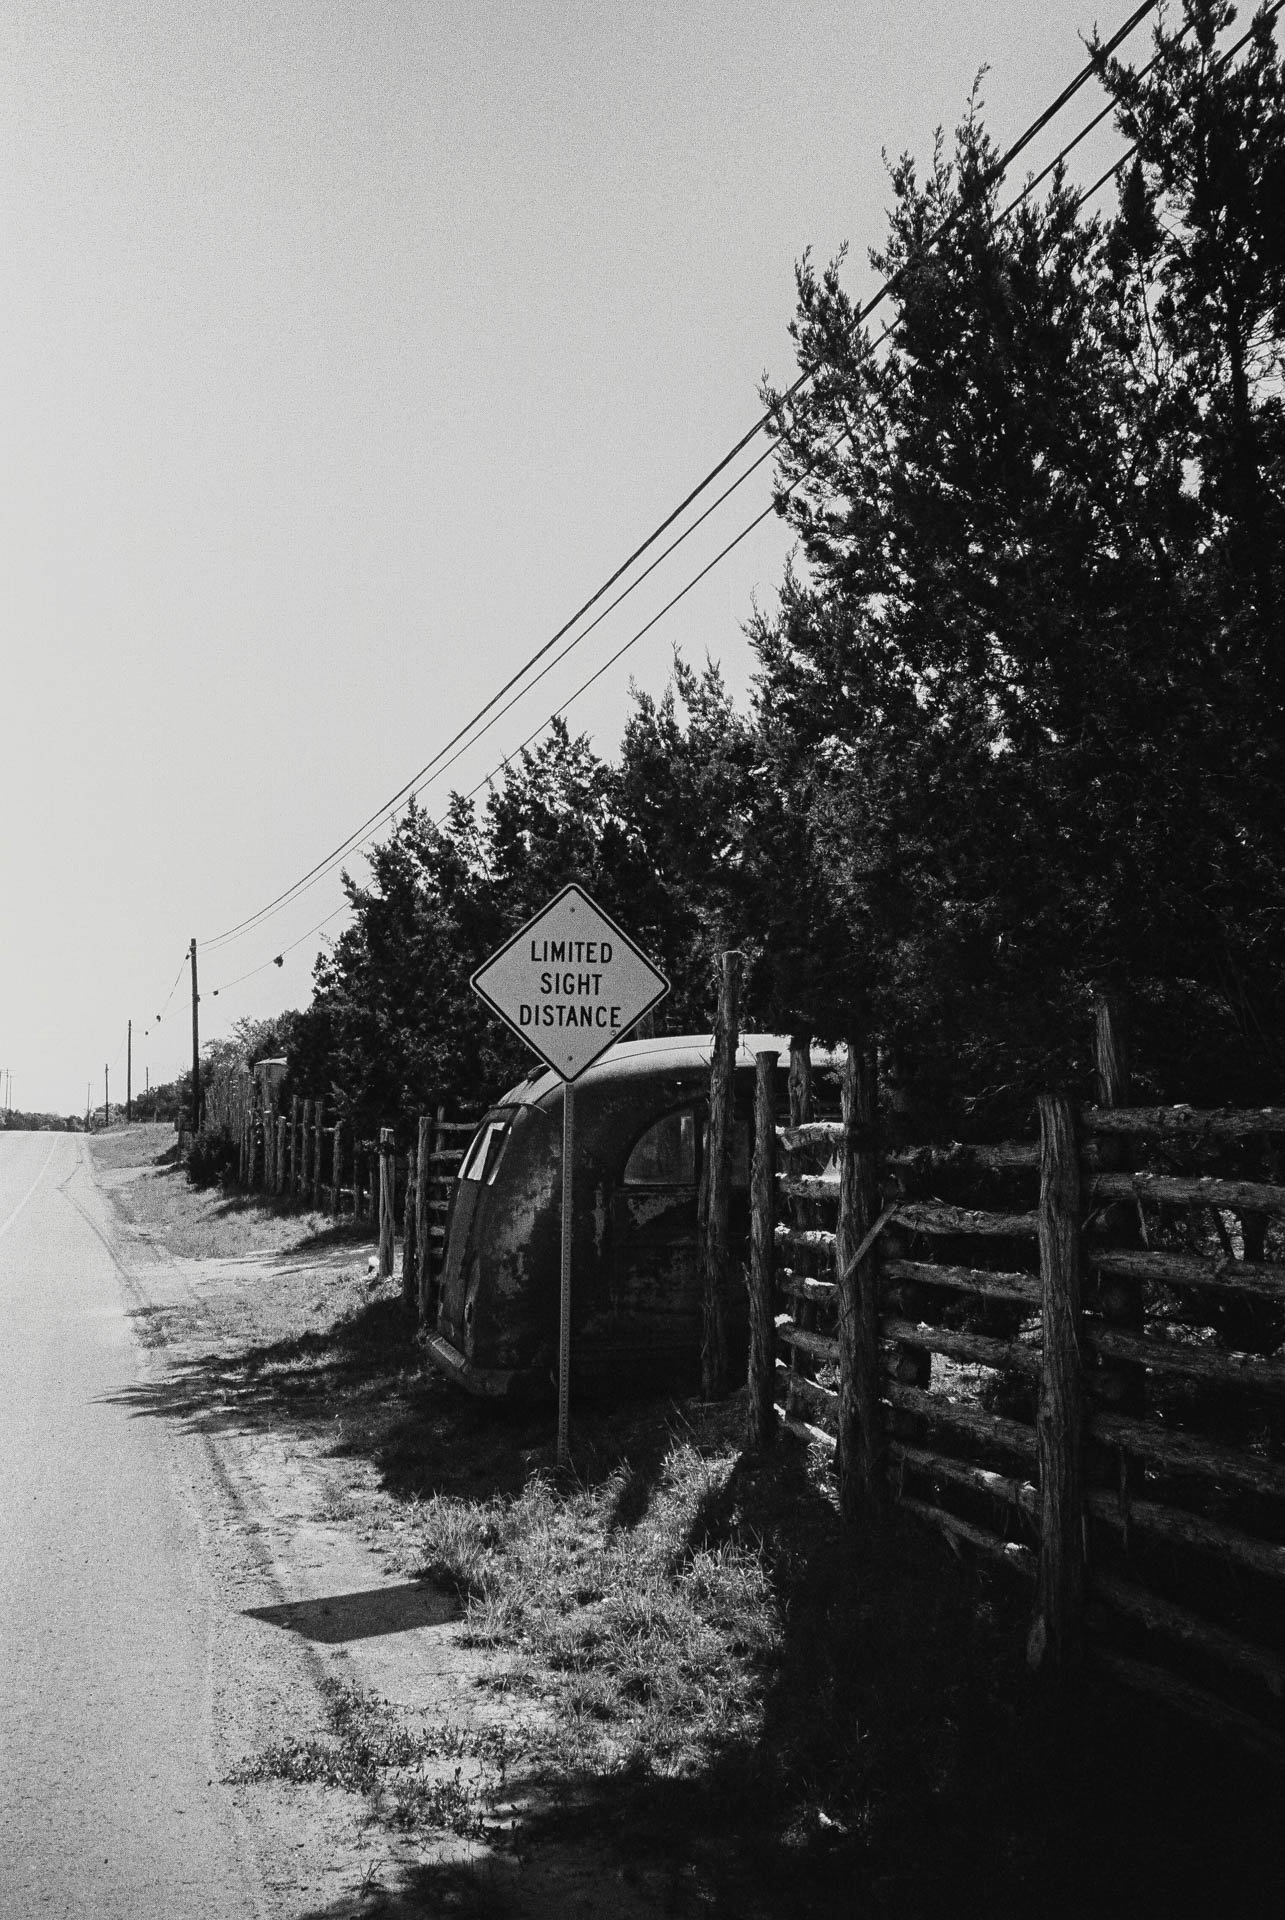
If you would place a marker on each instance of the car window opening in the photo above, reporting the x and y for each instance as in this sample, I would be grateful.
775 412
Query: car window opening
483 1158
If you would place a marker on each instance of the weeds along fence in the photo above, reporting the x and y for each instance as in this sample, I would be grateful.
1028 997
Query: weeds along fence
311 1156
1063 1352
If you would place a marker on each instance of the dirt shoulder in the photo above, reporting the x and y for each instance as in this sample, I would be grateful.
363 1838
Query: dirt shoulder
453 1683
268 1352
370 1758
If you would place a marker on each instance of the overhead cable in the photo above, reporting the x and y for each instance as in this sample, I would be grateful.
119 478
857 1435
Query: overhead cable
1030 133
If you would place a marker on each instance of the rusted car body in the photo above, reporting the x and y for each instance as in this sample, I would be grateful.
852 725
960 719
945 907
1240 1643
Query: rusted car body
640 1124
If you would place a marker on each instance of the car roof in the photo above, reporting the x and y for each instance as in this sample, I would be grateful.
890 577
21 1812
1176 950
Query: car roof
650 1059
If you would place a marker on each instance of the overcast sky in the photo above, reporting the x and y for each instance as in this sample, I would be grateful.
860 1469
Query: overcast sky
345 349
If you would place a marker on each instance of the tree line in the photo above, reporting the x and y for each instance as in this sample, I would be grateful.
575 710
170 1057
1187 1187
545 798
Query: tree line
1017 730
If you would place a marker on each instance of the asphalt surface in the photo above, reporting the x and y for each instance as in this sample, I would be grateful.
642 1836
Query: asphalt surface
110 1797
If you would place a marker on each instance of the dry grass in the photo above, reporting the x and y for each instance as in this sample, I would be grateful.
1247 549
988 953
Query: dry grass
139 1165
417 1776
698 1671
648 1642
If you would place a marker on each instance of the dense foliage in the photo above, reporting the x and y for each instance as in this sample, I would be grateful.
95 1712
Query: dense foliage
1018 734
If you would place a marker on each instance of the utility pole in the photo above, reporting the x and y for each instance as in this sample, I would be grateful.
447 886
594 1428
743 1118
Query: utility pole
107 1099
196 1050
88 1085
129 1073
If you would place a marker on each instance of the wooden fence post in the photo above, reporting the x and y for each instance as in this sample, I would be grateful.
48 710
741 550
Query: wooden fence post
800 1079
410 1222
718 1183
252 1154
337 1170
760 1430
317 1117
423 1187
1121 1386
1056 1637
860 1419
279 1155
387 1178
294 1146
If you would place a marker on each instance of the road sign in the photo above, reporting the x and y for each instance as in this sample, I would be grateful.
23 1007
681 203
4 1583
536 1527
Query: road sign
570 982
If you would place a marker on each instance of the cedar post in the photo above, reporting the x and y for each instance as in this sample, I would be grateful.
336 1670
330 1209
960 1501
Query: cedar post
318 1112
252 1151
718 1170
800 1079
305 1153
293 1187
423 1187
336 1169
387 1176
1123 1387
358 1173
1111 1072
860 1428
410 1224
760 1430
280 1154
1056 1635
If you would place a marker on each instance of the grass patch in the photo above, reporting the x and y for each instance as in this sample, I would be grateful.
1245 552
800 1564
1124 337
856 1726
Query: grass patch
699 1674
205 1223
418 1777
649 1641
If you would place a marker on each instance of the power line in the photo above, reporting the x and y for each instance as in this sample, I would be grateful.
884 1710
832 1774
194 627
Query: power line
413 787
606 665
165 1007
584 686
363 834
1223 60
1030 133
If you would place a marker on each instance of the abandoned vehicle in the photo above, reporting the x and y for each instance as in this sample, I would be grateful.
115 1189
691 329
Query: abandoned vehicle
639 1140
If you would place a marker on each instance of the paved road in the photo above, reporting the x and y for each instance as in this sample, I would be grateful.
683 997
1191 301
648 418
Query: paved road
110 1802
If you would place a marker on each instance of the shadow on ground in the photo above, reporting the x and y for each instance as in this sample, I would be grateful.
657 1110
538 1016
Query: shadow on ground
359 1381
901 1767
901 1772
370 1613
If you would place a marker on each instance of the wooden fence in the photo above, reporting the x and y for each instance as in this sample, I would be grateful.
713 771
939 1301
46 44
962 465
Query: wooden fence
1063 1353
310 1157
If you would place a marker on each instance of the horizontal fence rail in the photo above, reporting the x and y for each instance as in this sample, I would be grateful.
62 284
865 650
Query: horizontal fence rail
308 1156
1141 1491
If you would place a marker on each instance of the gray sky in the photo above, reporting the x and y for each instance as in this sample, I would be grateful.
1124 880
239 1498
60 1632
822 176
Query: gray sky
344 350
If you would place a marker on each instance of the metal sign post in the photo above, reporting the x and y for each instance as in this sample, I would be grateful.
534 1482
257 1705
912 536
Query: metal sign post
569 983
564 1301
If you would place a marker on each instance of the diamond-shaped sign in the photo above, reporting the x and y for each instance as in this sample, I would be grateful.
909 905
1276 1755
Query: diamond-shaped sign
569 983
